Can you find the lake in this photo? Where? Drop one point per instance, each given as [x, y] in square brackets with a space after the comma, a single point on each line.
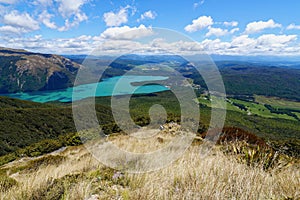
[118, 85]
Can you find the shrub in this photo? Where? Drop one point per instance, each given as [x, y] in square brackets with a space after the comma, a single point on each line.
[45, 146]
[6, 182]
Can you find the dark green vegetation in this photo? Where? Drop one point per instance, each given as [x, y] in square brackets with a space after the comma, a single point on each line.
[22, 71]
[283, 111]
[31, 129]
[24, 123]
[267, 81]
[21, 127]
[250, 79]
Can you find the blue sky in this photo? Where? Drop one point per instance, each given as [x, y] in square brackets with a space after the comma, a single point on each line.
[233, 27]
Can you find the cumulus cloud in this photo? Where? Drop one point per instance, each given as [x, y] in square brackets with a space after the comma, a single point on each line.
[78, 18]
[258, 26]
[232, 31]
[126, 32]
[148, 15]
[275, 40]
[293, 27]
[214, 46]
[71, 11]
[267, 44]
[19, 21]
[8, 1]
[199, 24]
[67, 8]
[243, 41]
[11, 29]
[44, 3]
[77, 45]
[118, 18]
[118, 40]
[45, 18]
[232, 23]
[218, 32]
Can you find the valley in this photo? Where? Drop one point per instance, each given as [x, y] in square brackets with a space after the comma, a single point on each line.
[38, 136]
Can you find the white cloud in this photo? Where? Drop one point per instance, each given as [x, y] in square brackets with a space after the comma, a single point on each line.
[179, 47]
[77, 19]
[275, 40]
[67, 8]
[45, 18]
[118, 18]
[126, 32]
[255, 27]
[70, 24]
[243, 41]
[148, 15]
[78, 45]
[232, 31]
[214, 46]
[119, 40]
[293, 27]
[216, 32]
[118, 47]
[268, 44]
[199, 24]
[197, 4]
[71, 11]
[21, 21]
[232, 23]
[8, 1]
[44, 3]
[11, 29]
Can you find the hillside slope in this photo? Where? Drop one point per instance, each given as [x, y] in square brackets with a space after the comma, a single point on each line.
[25, 124]
[73, 173]
[23, 71]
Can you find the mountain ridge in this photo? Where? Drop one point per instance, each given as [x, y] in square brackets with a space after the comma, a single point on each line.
[24, 71]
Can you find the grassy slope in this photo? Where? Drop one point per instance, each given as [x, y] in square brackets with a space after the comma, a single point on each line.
[261, 110]
[76, 174]
[277, 102]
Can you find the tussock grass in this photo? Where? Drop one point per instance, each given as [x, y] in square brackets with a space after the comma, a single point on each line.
[217, 175]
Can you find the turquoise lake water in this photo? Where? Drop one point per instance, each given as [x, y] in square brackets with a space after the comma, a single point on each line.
[118, 85]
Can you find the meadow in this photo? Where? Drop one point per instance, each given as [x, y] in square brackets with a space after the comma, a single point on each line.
[257, 107]
[278, 102]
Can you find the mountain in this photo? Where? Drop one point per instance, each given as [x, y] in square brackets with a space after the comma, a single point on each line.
[255, 58]
[23, 71]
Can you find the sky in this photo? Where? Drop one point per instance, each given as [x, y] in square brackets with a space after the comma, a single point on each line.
[231, 27]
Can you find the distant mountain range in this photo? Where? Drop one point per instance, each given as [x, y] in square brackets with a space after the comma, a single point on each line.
[22, 71]
[291, 62]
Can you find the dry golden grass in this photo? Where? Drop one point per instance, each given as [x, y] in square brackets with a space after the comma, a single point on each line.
[216, 176]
